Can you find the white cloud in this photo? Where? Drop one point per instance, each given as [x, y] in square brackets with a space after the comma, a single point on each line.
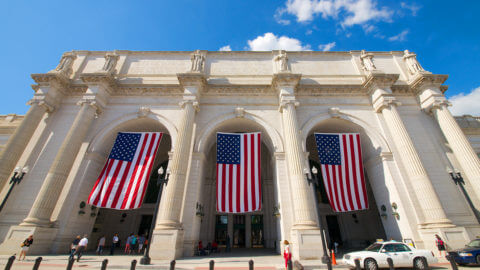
[400, 37]
[327, 47]
[269, 42]
[278, 16]
[350, 12]
[368, 28]
[466, 103]
[225, 48]
[308, 32]
[413, 7]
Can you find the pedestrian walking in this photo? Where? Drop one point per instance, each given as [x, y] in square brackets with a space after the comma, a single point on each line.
[74, 245]
[440, 245]
[227, 244]
[82, 247]
[133, 245]
[101, 244]
[141, 242]
[25, 246]
[114, 244]
[128, 243]
[287, 254]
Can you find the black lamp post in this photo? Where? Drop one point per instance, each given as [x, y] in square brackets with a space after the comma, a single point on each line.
[458, 180]
[18, 174]
[316, 184]
[160, 181]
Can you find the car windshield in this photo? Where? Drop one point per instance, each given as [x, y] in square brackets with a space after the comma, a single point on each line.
[374, 247]
[475, 243]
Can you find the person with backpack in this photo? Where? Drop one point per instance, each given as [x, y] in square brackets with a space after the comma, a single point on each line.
[440, 245]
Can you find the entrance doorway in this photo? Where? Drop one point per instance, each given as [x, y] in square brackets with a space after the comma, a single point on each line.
[238, 231]
[257, 231]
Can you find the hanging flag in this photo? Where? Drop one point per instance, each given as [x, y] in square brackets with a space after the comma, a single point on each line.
[124, 178]
[238, 172]
[342, 170]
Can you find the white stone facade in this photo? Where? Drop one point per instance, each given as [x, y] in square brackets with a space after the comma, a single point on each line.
[409, 139]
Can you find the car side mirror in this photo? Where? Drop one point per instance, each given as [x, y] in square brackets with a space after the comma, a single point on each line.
[383, 251]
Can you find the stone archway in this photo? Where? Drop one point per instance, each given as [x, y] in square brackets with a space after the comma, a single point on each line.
[109, 221]
[356, 229]
[260, 228]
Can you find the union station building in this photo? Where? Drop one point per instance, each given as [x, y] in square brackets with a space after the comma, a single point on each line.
[421, 164]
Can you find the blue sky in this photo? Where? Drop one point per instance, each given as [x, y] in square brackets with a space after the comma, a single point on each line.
[445, 35]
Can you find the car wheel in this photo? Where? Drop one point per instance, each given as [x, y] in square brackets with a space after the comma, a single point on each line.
[370, 264]
[419, 263]
[477, 259]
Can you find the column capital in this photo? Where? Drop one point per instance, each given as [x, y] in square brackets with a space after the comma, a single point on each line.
[287, 100]
[378, 80]
[92, 101]
[194, 103]
[384, 101]
[55, 80]
[42, 102]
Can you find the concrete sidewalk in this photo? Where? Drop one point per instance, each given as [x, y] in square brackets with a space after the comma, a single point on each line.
[223, 261]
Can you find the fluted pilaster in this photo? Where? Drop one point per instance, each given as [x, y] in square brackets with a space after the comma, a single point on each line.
[434, 215]
[173, 196]
[18, 141]
[52, 186]
[460, 145]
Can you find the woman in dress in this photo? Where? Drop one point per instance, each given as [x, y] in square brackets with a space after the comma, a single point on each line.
[287, 255]
[25, 245]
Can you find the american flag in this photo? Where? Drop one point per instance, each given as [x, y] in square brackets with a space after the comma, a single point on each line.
[238, 172]
[124, 178]
[342, 170]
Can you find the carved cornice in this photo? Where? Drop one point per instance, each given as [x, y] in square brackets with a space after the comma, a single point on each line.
[56, 80]
[286, 79]
[106, 79]
[149, 90]
[376, 80]
[328, 90]
[423, 80]
[239, 90]
[192, 79]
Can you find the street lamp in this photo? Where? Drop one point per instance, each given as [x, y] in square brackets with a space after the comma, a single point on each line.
[162, 179]
[316, 184]
[18, 174]
[458, 180]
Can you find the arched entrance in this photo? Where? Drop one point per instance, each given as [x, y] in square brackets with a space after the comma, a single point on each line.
[351, 230]
[137, 221]
[247, 230]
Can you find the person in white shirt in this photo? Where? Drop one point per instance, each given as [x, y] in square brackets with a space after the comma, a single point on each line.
[114, 243]
[82, 247]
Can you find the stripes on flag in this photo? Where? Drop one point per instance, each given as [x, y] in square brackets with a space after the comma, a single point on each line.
[124, 178]
[342, 170]
[238, 172]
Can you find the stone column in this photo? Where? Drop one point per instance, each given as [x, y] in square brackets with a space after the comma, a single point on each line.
[18, 141]
[305, 231]
[432, 100]
[52, 186]
[168, 234]
[384, 103]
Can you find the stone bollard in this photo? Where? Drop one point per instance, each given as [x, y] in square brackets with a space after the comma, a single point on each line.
[212, 265]
[37, 263]
[297, 265]
[104, 264]
[70, 263]
[357, 264]
[9, 262]
[451, 259]
[172, 265]
[250, 265]
[290, 265]
[133, 265]
[390, 263]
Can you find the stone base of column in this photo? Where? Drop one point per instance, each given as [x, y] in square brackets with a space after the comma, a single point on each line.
[306, 244]
[167, 244]
[441, 223]
[42, 240]
[189, 247]
[455, 238]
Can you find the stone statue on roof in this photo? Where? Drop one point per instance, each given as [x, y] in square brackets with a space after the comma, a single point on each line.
[283, 59]
[412, 63]
[367, 61]
[198, 61]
